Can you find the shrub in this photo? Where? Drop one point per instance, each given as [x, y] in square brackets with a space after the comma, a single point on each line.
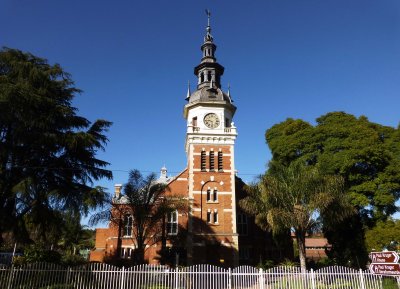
[73, 260]
[19, 261]
[37, 253]
[289, 263]
[265, 264]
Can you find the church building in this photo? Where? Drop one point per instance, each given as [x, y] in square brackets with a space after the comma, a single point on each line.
[214, 230]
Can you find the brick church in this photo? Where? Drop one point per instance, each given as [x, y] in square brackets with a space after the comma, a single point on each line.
[214, 230]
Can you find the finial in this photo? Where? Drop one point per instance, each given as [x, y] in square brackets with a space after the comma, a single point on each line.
[188, 91]
[208, 35]
[163, 173]
[229, 89]
[208, 17]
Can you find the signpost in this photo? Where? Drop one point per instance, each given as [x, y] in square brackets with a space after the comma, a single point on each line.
[385, 269]
[385, 263]
[384, 257]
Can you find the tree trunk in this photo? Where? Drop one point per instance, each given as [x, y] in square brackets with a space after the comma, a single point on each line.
[117, 254]
[301, 244]
[140, 246]
[140, 255]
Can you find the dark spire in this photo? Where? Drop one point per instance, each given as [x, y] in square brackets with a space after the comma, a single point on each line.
[208, 36]
[208, 71]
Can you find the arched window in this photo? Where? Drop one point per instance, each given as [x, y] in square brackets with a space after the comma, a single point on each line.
[202, 77]
[172, 223]
[215, 217]
[208, 195]
[209, 76]
[128, 222]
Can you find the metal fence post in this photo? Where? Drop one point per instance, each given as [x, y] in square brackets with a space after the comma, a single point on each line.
[229, 278]
[67, 275]
[261, 278]
[312, 279]
[10, 276]
[176, 277]
[123, 278]
[362, 279]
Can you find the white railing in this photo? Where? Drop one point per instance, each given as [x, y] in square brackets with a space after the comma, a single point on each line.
[97, 275]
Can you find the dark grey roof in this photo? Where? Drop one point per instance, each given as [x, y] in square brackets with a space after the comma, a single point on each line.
[207, 94]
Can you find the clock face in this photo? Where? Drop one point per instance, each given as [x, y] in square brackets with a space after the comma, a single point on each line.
[211, 120]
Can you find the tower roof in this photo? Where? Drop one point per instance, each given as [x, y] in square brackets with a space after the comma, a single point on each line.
[209, 73]
[207, 94]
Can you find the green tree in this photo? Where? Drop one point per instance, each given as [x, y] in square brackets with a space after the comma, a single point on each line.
[148, 203]
[48, 160]
[385, 235]
[296, 197]
[74, 236]
[365, 154]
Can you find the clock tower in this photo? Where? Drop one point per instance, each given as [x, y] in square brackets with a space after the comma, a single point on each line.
[214, 230]
[210, 140]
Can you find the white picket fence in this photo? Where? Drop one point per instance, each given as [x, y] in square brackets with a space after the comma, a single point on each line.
[98, 276]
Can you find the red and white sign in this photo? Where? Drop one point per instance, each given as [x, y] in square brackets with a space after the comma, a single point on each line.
[385, 268]
[384, 257]
[384, 263]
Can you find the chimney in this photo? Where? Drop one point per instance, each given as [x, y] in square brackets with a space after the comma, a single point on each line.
[117, 190]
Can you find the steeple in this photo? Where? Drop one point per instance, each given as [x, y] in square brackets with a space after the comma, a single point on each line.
[208, 71]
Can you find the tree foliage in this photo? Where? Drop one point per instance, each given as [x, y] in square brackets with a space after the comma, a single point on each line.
[296, 197]
[148, 202]
[48, 160]
[365, 154]
[384, 236]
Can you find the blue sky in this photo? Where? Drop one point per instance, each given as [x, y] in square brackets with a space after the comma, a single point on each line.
[282, 58]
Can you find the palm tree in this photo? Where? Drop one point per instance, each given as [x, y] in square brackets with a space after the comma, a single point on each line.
[298, 198]
[147, 203]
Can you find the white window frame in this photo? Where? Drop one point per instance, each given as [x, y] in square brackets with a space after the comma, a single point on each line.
[126, 252]
[172, 224]
[128, 225]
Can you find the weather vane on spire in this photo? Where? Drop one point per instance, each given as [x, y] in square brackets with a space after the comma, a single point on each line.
[208, 16]
[208, 35]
